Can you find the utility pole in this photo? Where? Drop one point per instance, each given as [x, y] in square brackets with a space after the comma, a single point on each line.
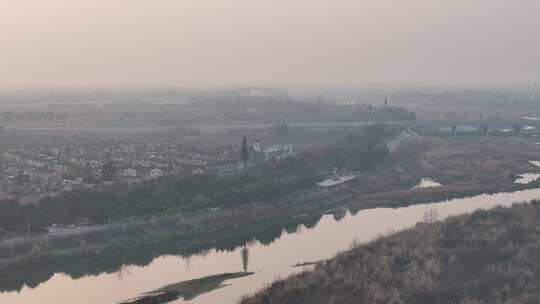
[370, 112]
[535, 93]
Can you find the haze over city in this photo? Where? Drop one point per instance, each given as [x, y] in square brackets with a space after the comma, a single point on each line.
[262, 42]
[269, 151]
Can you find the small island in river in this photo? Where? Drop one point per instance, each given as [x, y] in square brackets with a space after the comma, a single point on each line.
[187, 290]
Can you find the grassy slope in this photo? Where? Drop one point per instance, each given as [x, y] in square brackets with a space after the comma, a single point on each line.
[487, 257]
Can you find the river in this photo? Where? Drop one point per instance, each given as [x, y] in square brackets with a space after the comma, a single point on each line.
[269, 262]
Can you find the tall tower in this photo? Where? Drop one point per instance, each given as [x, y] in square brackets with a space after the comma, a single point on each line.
[244, 152]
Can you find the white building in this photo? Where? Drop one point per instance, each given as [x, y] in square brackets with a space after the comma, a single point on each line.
[279, 151]
[129, 172]
[72, 182]
[288, 151]
[257, 146]
[156, 172]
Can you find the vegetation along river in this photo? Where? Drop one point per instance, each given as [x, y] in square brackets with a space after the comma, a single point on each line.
[269, 260]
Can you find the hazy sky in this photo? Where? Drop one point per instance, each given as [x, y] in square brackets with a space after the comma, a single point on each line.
[269, 42]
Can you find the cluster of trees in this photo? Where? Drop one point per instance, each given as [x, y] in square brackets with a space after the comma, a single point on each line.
[264, 183]
[12, 215]
[277, 109]
[490, 256]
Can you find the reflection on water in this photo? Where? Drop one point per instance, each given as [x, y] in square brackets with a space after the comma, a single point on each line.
[245, 258]
[270, 256]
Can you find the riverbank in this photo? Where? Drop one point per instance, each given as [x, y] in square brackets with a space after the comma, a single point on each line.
[308, 239]
[122, 243]
[32, 270]
[487, 257]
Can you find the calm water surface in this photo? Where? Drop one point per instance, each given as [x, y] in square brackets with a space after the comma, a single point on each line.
[268, 262]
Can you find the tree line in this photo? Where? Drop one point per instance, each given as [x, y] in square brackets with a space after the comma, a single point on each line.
[265, 182]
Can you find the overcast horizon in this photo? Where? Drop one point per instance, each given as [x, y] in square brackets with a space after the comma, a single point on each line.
[304, 43]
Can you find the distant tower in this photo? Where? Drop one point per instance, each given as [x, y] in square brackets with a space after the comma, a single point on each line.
[385, 101]
[244, 153]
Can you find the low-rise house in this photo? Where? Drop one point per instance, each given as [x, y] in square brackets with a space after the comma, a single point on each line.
[198, 171]
[69, 183]
[129, 172]
[154, 173]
